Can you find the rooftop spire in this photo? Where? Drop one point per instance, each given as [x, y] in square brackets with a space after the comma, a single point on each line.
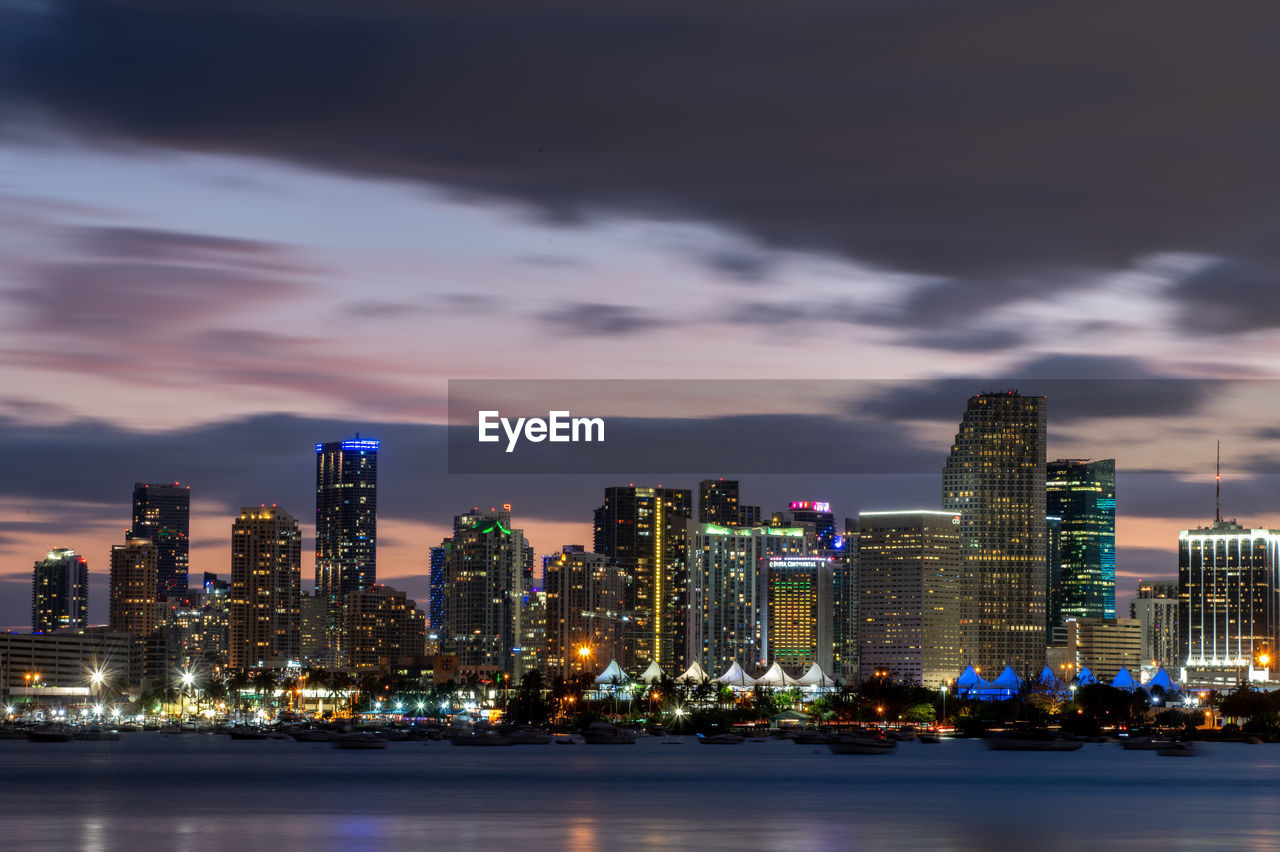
[1217, 488]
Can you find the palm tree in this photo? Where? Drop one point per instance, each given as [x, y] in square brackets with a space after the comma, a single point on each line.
[264, 680]
[237, 683]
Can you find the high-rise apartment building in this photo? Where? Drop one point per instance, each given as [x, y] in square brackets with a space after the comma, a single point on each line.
[483, 582]
[133, 588]
[815, 516]
[1081, 496]
[844, 593]
[797, 625]
[162, 515]
[59, 591]
[586, 613]
[266, 587]
[718, 503]
[1156, 610]
[346, 524]
[645, 529]
[909, 572]
[994, 480]
[727, 595]
[381, 625]
[435, 583]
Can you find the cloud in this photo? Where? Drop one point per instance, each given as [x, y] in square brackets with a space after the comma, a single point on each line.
[1002, 147]
[1230, 297]
[598, 318]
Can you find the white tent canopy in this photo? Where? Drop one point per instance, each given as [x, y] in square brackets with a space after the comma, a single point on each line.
[815, 676]
[653, 674]
[735, 676]
[775, 676]
[694, 674]
[612, 675]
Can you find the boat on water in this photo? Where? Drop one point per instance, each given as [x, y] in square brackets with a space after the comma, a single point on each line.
[1178, 749]
[358, 740]
[312, 735]
[602, 733]
[481, 738]
[13, 734]
[527, 735]
[1031, 740]
[170, 729]
[809, 738]
[49, 734]
[245, 732]
[905, 735]
[722, 739]
[1144, 743]
[95, 734]
[930, 737]
[861, 744]
[568, 739]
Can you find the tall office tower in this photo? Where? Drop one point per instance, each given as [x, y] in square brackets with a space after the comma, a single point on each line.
[266, 588]
[718, 504]
[726, 593]
[484, 564]
[1054, 631]
[1156, 610]
[133, 588]
[909, 566]
[844, 593]
[381, 625]
[162, 514]
[59, 591]
[313, 631]
[814, 516]
[435, 582]
[1227, 584]
[645, 528]
[994, 480]
[797, 626]
[346, 524]
[586, 613]
[532, 653]
[1081, 494]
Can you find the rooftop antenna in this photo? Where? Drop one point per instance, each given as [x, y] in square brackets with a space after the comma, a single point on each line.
[1217, 488]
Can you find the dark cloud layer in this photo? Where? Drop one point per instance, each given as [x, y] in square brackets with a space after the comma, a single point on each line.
[1001, 145]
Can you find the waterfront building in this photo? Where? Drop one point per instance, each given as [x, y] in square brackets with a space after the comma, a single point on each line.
[381, 625]
[484, 566]
[59, 591]
[797, 628]
[646, 530]
[1103, 645]
[162, 515]
[586, 614]
[728, 603]
[909, 595]
[72, 666]
[1156, 609]
[266, 588]
[346, 524]
[1080, 499]
[1229, 596]
[994, 480]
[132, 593]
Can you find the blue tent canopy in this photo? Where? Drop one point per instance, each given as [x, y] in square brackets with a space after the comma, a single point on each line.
[1124, 680]
[1048, 678]
[1162, 680]
[1085, 677]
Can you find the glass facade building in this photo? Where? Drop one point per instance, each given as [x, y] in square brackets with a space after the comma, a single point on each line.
[1081, 496]
[162, 515]
[60, 591]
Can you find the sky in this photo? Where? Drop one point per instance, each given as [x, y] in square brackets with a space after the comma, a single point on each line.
[232, 230]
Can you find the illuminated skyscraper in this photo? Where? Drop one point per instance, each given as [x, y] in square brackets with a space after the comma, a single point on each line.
[483, 583]
[727, 595]
[266, 588]
[1081, 495]
[994, 480]
[133, 588]
[380, 626]
[586, 609]
[909, 595]
[60, 591]
[435, 583]
[346, 524]
[816, 517]
[162, 515]
[645, 529]
[797, 623]
[718, 504]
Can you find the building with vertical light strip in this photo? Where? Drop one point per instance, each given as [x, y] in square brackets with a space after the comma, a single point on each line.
[994, 479]
[646, 530]
[909, 595]
[797, 627]
[1080, 499]
[726, 596]
[1229, 593]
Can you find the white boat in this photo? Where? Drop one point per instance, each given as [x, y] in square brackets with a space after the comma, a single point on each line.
[1031, 741]
[722, 739]
[861, 744]
[358, 740]
[602, 733]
